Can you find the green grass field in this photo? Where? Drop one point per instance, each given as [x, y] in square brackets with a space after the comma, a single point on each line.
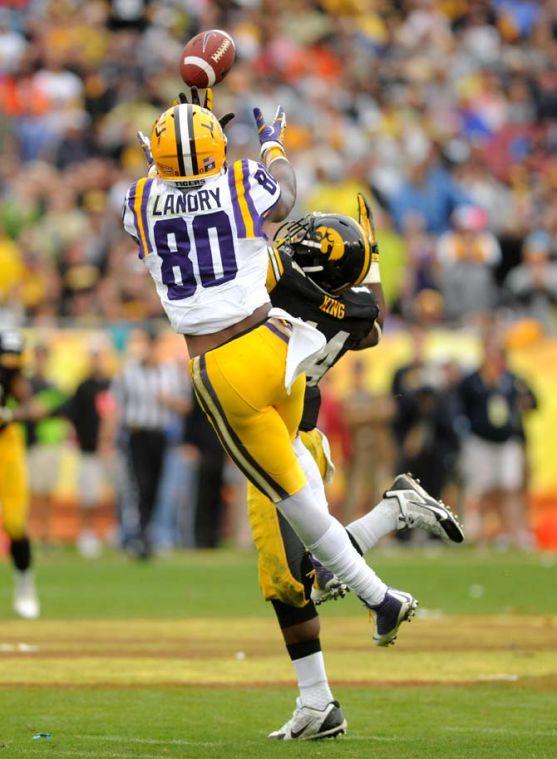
[180, 658]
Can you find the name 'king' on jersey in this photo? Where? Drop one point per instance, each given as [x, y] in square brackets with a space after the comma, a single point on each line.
[203, 241]
[345, 320]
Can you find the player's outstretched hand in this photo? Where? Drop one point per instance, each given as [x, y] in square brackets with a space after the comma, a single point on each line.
[365, 218]
[145, 145]
[271, 136]
[195, 96]
[203, 98]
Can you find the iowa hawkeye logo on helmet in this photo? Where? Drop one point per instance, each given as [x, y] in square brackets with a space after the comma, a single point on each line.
[333, 250]
[332, 243]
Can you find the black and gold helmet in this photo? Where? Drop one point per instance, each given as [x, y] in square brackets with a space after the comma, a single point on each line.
[333, 250]
[11, 349]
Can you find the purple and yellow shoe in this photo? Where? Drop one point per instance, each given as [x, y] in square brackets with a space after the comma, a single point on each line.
[397, 607]
[326, 585]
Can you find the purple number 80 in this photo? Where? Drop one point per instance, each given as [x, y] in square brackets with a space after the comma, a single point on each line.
[172, 240]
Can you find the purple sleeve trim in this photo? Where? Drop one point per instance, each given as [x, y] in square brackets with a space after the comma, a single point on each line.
[240, 226]
[131, 204]
[257, 218]
[273, 204]
[144, 199]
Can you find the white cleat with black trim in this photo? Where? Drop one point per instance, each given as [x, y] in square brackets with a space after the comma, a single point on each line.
[26, 600]
[308, 724]
[416, 508]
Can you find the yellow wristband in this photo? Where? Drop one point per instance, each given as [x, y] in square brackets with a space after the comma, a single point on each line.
[272, 154]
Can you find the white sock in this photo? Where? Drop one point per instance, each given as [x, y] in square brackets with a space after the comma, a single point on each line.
[341, 557]
[24, 577]
[312, 681]
[327, 539]
[313, 475]
[374, 525]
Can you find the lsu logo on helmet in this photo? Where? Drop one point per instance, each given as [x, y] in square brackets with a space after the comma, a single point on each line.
[188, 144]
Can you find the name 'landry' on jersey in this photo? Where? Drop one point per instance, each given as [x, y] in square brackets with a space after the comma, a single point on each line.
[344, 319]
[204, 247]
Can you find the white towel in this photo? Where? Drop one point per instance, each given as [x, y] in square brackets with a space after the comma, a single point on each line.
[304, 345]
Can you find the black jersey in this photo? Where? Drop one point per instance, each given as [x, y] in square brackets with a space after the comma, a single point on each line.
[344, 320]
[10, 367]
[6, 379]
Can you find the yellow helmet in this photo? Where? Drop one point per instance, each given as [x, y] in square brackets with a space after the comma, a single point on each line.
[188, 143]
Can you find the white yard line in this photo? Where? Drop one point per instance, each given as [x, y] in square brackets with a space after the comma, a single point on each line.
[499, 730]
[111, 755]
[151, 741]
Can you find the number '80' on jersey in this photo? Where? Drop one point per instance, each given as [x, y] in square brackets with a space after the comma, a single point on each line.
[204, 247]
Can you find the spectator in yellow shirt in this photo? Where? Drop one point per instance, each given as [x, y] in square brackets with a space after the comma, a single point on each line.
[11, 266]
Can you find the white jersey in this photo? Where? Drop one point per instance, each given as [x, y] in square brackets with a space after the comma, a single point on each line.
[205, 247]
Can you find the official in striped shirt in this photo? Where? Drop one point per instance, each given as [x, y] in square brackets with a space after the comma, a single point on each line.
[149, 394]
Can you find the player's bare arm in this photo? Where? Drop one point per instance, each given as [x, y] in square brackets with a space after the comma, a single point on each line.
[283, 172]
[374, 336]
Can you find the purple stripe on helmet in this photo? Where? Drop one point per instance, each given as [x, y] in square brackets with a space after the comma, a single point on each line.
[257, 218]
[240, 226]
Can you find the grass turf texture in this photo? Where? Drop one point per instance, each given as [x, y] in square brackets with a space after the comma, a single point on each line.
[134, 660]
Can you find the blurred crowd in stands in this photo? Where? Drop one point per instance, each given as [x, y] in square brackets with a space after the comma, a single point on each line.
[442, 111]
[445, 111]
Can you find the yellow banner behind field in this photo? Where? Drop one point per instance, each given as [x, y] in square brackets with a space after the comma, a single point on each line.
[536, 362]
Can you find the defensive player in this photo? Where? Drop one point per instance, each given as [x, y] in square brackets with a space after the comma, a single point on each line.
[14, 492]
[314, 262]
[198, 224]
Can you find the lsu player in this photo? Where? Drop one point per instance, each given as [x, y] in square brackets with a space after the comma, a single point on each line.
[14, 492]
[313, 265]
[198, 224]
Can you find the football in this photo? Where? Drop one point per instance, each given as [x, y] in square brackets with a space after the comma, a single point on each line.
[207, 58]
